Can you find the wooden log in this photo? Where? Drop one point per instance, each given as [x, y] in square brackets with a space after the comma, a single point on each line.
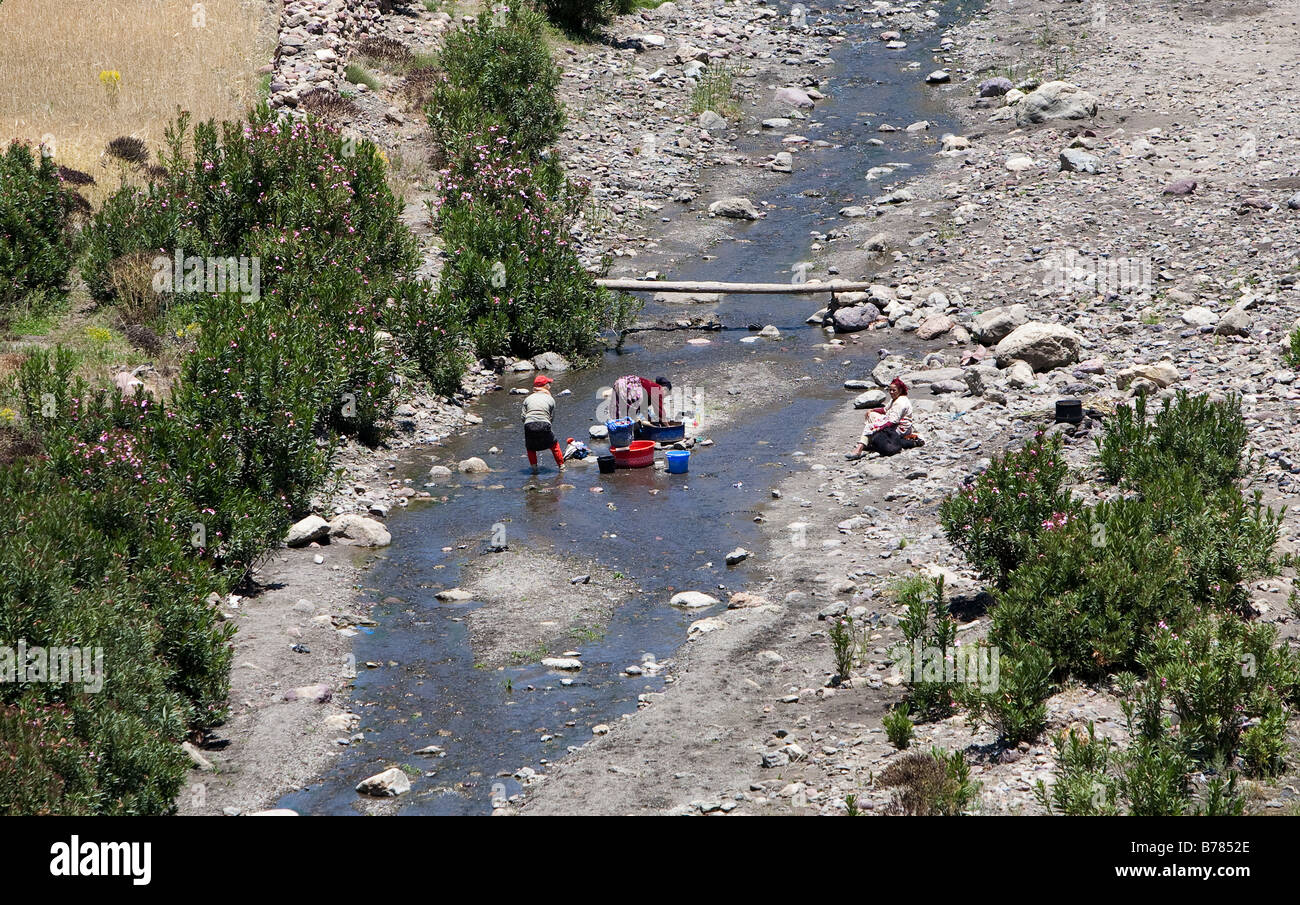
[809, 288]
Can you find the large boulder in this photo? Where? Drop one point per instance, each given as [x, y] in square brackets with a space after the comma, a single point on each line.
[735, 208]
[991, 327]
[551, 361]
[1055, 100]
[304, 531]
[995, 87]
[1074, 160]
[710, 121]
[362, 531]
[855, 318]
[1042, 346]
[888, 368]
[692, 600]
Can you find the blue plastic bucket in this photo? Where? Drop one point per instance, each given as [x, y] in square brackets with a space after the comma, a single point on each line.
[620, 432]
[678, 459]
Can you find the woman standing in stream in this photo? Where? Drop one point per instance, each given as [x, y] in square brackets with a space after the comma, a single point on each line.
[538, 410]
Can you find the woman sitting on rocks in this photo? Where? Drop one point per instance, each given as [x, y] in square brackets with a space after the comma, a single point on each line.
[888, 430]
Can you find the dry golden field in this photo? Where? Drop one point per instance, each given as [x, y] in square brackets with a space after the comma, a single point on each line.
[79, 73]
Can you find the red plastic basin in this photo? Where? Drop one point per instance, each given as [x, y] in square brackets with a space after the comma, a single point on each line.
[639, 454]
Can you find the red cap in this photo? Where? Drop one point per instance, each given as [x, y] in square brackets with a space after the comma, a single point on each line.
[542, 380]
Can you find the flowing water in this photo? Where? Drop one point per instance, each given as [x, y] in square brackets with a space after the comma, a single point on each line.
[495, 725]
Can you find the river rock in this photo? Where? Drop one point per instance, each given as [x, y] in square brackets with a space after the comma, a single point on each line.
[473, 465]
[1236, 321]
[1055, 100]
[855, 318]
[794, 97]
[362, 531]
[871, 399]
[454, 595]
[995, 87]
[888, 368]
[938, 77]
[992, 326]
[1019, 375]
[934, 326]
[1042, 346]
[304, 531]
[711, 122]
[1162, 374]
[1180, 187]
[319, 693]
[738, 555]
[692, 600]
[703, 627]
[551, 361]
[1075, 161]
[568, 664]
[389, 784]
[878, 242]
[1198, 316]
[735, 208]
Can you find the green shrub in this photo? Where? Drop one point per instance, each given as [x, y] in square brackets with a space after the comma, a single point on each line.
[995, 520]
[1264, 745]
[927, 627]
[1017, 707]
[1194, 432]
[713, 91]
[1224, 541]
[1217, 675]
[431, 336]
[514, 279]
[36, 241]
[331, 251]
[496, 76]
[898, 726]
[844, 644]
[583, 16]
[1085, 785]
[1091, 600]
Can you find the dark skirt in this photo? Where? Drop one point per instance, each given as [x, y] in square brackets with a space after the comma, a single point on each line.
[538, 437]
[887, 442]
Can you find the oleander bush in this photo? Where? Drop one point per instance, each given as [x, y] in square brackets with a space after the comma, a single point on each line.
[995, 520]
[496, 75]
[1207, 436]
[513, 278]
[37, 243]
[1150, 581]
[1092, 606]
[315, 213]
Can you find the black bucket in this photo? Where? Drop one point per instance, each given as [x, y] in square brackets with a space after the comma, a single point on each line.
[1069, 411]
[606, 463]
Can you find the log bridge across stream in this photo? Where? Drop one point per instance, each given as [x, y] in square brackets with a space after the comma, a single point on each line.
[833, 287]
